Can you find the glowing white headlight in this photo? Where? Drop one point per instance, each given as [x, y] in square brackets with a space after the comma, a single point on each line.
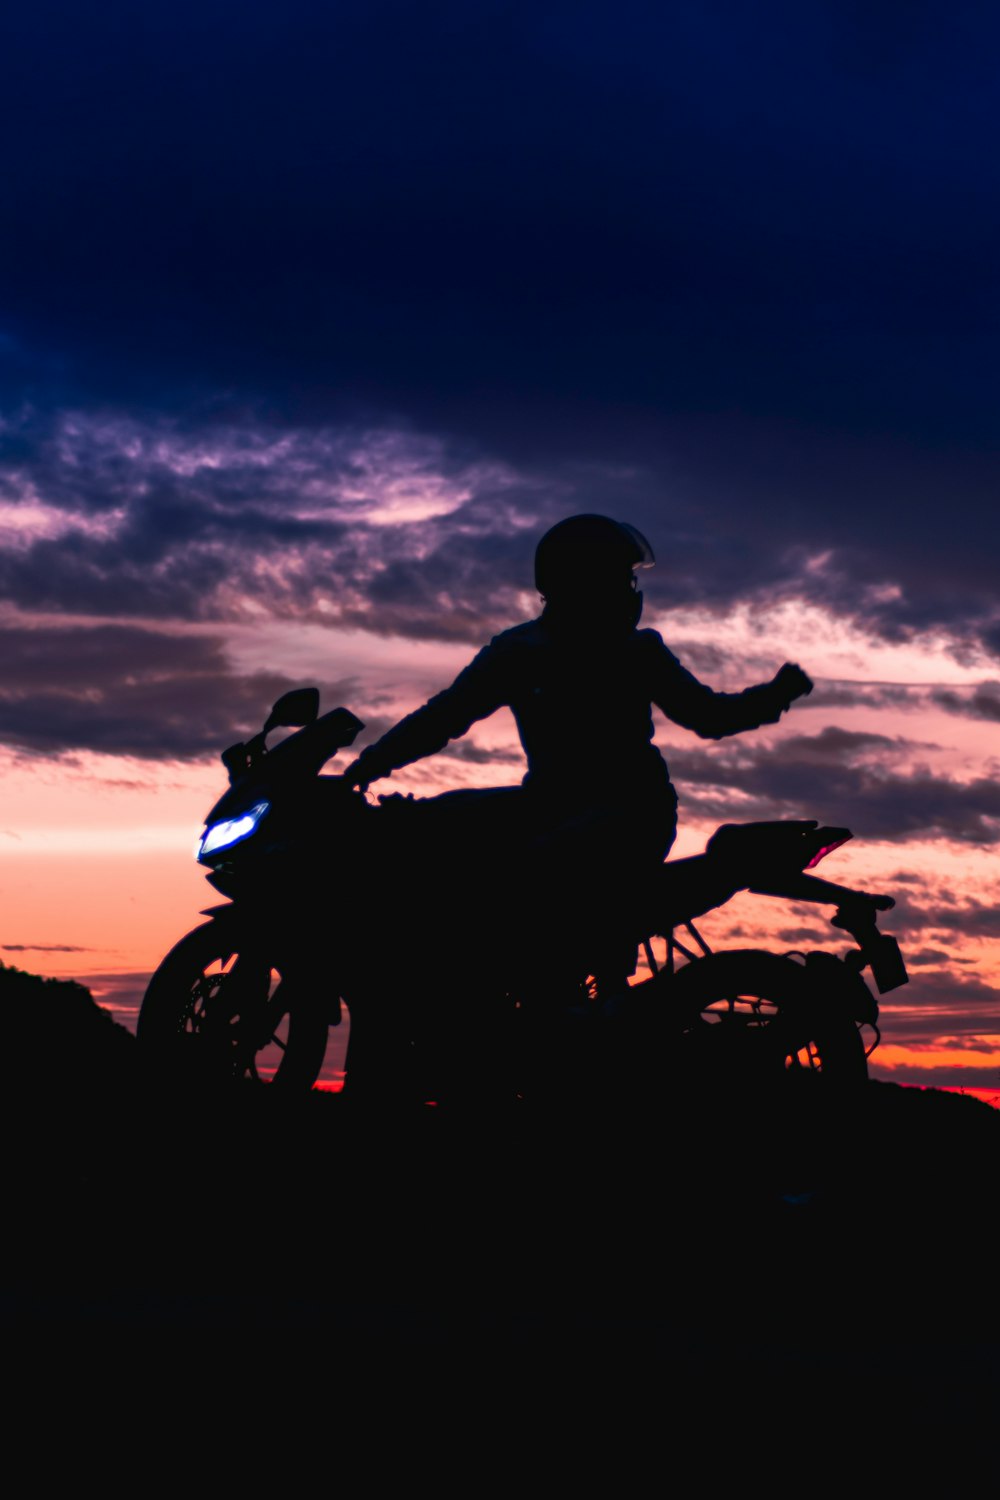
[232, 831]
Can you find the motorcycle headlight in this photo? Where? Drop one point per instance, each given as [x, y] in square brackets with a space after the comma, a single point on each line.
[232, 830]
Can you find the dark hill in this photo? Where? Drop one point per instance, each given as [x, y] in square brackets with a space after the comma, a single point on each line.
[778, 1252]
[56, 1034]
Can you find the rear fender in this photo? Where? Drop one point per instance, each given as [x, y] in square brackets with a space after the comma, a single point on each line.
[836, 983]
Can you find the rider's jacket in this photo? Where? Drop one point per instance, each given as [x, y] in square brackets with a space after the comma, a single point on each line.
[582, 708]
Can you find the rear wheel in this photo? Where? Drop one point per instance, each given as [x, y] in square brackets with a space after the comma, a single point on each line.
[214, 1010]
[757, 1015]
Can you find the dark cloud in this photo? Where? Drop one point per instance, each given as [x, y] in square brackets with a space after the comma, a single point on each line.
[979, 701]
[43, 948]
[896, 696]
[939, 1077]
[806, 933]
[931, 957]
[943, 1004]
[707, 660]
[482, 755]
[942, 913]
[399, 532]
[125, 690]
[842, 777]
[586, 200]
[121, 993]
[938, 1009]
[163, 522]
[983, 702]
[732, 276]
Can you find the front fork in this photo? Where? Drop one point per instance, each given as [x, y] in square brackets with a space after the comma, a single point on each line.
[301, 983]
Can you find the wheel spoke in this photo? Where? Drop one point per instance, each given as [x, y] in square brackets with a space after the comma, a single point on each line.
[763, 1012]
[213, 1001]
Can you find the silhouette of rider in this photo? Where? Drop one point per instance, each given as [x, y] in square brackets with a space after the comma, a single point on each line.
[580, 681]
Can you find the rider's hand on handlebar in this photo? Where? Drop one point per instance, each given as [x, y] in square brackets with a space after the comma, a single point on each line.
[793, 682]
[350, 779]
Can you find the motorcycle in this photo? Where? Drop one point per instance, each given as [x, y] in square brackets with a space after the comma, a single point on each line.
[252, 993]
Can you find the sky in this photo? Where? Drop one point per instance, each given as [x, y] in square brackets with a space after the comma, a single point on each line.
[312, 319]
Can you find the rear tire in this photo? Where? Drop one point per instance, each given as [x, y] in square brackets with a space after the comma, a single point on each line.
[213, 1013]
[750, 1009]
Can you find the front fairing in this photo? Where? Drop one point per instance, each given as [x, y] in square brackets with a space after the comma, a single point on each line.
[313, 837]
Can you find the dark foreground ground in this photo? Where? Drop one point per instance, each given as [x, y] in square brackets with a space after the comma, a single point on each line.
[714, 1280]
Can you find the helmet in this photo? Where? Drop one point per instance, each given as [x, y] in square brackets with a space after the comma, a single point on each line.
[589, 551]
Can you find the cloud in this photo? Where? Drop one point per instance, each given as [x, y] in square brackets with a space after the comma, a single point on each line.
[44, 948]
[381, 530]
[844, 777]
[980, 701]
[939, 1077]
[875, 696]
[941, 913]
[398, 532]
[483, 755]
[939, 1004]
[128, 690]
[940, 1012]
[931, 957]
[983, 702]
[120, 992]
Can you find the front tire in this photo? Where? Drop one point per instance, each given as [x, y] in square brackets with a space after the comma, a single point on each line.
[213, 1012]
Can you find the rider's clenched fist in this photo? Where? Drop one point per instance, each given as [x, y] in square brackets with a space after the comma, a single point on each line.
[793, 682]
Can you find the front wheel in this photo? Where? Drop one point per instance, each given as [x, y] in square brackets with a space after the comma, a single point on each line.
[214, 1011]
[758, 1015]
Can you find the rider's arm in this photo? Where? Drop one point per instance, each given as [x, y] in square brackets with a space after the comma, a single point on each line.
[712, 715]
[476, 692]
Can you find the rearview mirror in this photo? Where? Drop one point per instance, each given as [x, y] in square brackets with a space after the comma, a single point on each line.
[294, 709]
